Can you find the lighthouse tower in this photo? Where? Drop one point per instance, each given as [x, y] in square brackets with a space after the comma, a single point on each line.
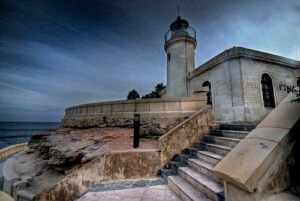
[180, 44]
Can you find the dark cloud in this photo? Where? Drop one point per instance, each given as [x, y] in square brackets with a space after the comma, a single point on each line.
[57, 53]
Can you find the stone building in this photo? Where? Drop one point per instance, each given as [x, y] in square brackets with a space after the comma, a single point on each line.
[244, 84]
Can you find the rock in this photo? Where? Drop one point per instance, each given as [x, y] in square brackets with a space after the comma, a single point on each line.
[91, 156]
[38, 173]
[64, 148]
[151, 131]
[28, 179]
[30, 150]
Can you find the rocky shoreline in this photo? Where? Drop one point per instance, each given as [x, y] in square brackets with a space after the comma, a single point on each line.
[53, 154]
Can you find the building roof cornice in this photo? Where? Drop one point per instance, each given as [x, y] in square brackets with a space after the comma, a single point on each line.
[236, 52]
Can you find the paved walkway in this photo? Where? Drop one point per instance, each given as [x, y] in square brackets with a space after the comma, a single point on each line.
[141, 190]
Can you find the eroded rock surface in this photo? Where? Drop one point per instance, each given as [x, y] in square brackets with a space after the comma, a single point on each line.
[152, 131]
[65, 147]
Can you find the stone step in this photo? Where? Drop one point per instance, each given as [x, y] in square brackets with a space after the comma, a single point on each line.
[204, 184]
[229, 142]
[215, 148]
[182, 158]
[203, 167]
[230, 134]
[165, 173]
[175, 165]
[209, 157]
[237, 127]
[185, 190]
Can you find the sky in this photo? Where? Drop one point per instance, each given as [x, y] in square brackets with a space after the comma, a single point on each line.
[59, 53]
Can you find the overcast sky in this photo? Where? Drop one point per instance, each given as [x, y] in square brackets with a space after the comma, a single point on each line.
[59, 53]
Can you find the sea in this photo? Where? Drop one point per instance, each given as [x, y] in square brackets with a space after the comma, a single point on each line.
[19, 132]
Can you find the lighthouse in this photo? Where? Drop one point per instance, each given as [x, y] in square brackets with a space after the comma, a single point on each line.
[180, 45]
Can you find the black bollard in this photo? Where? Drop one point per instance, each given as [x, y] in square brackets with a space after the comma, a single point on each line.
[136, 132]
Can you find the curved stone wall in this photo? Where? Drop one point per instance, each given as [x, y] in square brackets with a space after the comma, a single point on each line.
[167, 112]
[12, 149]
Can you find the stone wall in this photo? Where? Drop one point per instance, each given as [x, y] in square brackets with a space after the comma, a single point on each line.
[221, 91]
[111, 167]
[252, 71]
[260, 165]
[185, 135]
[166, 112]
[235, 77]
[12, 150]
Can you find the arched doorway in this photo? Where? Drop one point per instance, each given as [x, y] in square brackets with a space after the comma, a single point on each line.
[207, 84]
[267, 90]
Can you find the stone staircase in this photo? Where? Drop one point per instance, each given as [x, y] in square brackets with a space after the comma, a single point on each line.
[190, 173]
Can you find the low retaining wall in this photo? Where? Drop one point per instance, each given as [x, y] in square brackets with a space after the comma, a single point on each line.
[185, 135]
[117, 165]
[260, 165]
[167, 112]
[12, 149]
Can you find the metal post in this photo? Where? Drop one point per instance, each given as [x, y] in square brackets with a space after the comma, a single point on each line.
[136, 132]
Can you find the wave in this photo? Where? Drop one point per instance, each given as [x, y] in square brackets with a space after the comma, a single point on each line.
[14, 136]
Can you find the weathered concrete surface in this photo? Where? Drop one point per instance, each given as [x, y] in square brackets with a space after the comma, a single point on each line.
[166, 112]
[185, 134]
[150, 193]
[260, 164]
[113, 166]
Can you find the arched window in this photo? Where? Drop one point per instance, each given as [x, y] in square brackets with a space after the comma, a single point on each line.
[207, 84]
[267, 90]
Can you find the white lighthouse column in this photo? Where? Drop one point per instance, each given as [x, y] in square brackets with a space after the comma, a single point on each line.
[180, 44]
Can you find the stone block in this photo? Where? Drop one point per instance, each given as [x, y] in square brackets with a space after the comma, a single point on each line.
[106, 108]
[98, 109]
[156, 107]
[247, 162]
[172, 106]
[90, 109]
[188, 106]
[272, 134]
[118, 107]
[129, 107]
[200, 89]
[142, 107]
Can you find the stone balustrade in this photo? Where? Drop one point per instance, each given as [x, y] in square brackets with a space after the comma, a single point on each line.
[164, 111]
[260, 165]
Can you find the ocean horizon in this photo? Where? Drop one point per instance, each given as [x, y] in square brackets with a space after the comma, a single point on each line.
[19, 132]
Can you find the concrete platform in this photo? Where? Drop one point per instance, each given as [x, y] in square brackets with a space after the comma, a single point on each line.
[149, 193]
